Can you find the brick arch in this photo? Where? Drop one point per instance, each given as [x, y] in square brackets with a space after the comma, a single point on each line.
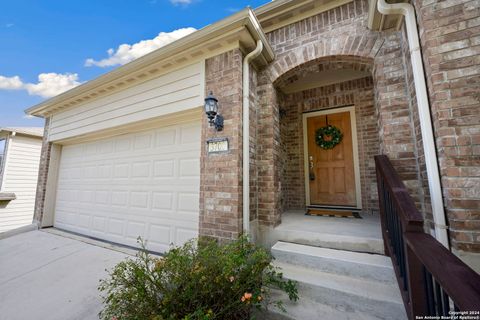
[358, 46]
[324, 64]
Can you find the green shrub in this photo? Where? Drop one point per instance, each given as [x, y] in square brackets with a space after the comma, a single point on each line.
[204, 281]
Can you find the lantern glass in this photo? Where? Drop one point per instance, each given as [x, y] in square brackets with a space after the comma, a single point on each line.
[211, 107]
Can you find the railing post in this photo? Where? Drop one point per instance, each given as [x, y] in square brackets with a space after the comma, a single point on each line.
[416, 283]
[381, 201]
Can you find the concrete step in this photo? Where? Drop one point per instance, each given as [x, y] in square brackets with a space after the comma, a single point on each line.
[307, 309]
[346, 293]
[359, 265]
[325, 240]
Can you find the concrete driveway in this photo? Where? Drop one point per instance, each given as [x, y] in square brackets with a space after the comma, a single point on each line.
[51, 276]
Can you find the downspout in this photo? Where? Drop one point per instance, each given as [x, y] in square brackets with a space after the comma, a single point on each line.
[428, 140]
[246, 135]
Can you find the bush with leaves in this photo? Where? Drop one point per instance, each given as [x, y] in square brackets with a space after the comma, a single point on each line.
[203, 280]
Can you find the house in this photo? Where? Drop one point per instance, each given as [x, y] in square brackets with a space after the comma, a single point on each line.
[308, 92]
[20, 150]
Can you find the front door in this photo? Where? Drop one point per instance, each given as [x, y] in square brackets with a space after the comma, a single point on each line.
[331, 172]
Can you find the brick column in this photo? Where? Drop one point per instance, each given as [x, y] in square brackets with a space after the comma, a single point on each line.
[396, 133]
[42, 175]
[221, 174]
[268, 155]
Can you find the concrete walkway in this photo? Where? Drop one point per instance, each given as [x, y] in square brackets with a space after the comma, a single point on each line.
[50, 276]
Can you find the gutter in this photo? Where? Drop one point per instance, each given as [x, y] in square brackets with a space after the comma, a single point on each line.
[246, 135]
[428, 140]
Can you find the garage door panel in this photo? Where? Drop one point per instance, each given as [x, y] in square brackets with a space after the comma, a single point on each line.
[183, 235]
[135, 229]
[163, 200]
[98, 224]
[141, 184]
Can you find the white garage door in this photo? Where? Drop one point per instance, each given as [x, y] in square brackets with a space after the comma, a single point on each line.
[139, 184]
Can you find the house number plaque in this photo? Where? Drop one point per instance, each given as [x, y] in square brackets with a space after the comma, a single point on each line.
[217, 145]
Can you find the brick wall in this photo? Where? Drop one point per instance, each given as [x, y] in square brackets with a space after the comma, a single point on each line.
[450, 39]
[221, 174]
[424, 192]
[253, 146]
[397, 134]
[356, 92]
[268, 153]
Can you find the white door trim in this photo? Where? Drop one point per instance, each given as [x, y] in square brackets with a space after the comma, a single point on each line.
[356, 162]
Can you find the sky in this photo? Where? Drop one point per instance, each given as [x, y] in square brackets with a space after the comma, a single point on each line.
[50, 46]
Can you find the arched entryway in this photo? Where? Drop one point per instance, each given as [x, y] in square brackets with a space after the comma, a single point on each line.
[337, 91]
[334, 90]
[353, 67]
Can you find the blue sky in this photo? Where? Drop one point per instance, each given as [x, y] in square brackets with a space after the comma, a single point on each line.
[66, 42]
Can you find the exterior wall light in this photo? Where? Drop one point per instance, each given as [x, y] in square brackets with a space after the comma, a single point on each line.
[211, 109]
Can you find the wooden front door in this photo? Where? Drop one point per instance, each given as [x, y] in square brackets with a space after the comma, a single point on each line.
[331, 173]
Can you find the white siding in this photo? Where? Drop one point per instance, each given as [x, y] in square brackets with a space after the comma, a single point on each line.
[20, 177]
[177, 91]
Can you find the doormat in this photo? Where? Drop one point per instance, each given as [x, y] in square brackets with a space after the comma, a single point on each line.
[333, 213]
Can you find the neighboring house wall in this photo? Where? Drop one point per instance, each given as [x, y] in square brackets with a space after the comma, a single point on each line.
[20, 177]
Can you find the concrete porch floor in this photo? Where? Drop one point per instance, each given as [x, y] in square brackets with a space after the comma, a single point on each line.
[361, 235]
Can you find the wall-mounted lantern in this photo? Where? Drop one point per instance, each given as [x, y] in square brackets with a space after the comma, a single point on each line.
[211, 109]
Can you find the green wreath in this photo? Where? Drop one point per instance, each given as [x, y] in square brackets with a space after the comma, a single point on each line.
[333, 134]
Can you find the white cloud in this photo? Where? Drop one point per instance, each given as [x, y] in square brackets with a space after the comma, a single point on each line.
[9, 25]
[181, 2]
[11, 83]
[48, 85]
[52, 84]
[128, 52]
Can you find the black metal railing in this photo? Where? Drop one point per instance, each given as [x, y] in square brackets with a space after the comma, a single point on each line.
[432, 280]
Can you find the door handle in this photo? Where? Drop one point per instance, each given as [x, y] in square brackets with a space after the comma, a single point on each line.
[311, 175]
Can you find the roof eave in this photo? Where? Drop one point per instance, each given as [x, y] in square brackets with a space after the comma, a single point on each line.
[244, 18]
[30, 134]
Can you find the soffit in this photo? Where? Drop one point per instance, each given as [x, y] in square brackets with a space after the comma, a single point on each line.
[323, 78]
[29, 131]
[279, 13]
